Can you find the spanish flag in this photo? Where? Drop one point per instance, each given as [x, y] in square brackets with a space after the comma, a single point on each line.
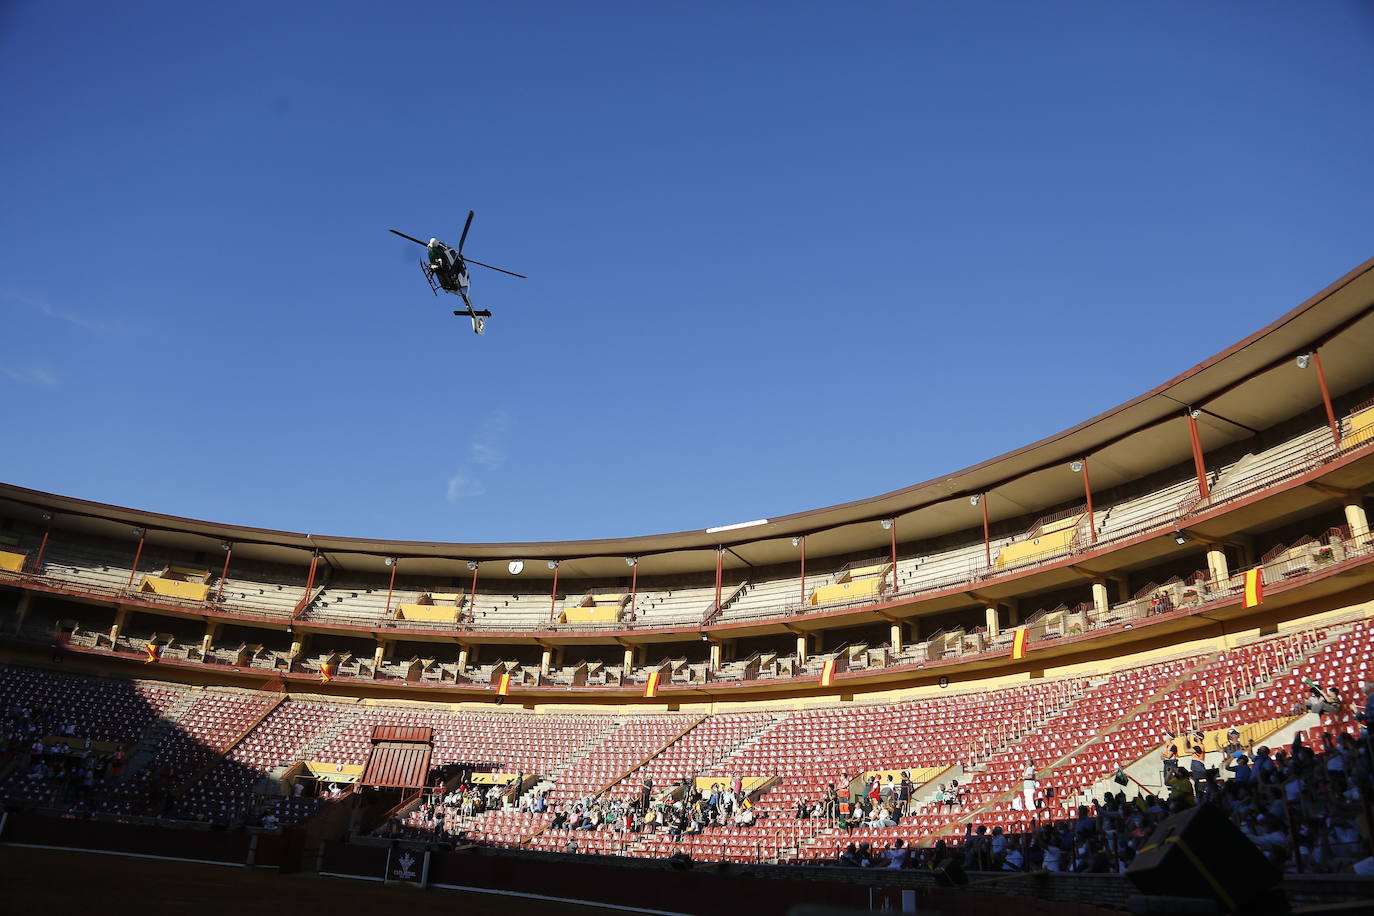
[651, 685]
[503, 685]
[1018, 643]
[828, 673]
[154, 653]
[1254, 586]
[326, 673]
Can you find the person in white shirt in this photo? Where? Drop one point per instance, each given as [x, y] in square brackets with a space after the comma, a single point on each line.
[897, 854]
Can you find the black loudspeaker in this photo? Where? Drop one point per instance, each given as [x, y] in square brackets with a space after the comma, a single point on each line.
[1199, 853]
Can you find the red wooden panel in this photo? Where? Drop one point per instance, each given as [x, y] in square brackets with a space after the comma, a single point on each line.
[421, 733]
[397, 765]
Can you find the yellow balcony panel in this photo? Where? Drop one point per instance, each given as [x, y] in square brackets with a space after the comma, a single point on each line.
[1361, 428]
[747, 783]
[601, 614]
[430, 613]
[12, 561]
[1044, 545]
[334, 772]
[1061, 525]
[919, 775]
[862, 571]
[175, 588]
[846, 591]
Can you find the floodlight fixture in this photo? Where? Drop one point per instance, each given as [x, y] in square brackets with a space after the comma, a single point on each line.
[1180, 538]
[472, 565]
[226, 545]
[390, 561]
[139, 532]
[553, 564]
[1194, 413]
[1076, 466]
[47, 516]
[887, 524]
[796, 542]
[631, 561]
[1304, 360]
[975, 499]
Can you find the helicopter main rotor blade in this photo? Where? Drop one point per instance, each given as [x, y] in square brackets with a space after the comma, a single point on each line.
[411, 237]
[501, 269]
[466, 227]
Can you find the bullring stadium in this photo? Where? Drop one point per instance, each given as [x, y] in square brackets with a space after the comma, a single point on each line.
[998, 681]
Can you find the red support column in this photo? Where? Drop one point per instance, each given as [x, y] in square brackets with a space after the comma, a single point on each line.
[391, 586]
[472, 601]
[137, 554]
[1088, 491]
[553, 595]
[987, 542]
[634, 586]
[894, 556]
[1199, 463]
[219, 589]
[309, 582]
[720, 554]
[1326, 400]
[803, 577]
[38, 561]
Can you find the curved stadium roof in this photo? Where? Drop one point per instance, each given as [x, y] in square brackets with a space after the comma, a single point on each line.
[1246, 388]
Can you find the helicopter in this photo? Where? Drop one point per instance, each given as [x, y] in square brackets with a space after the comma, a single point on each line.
[447, 270]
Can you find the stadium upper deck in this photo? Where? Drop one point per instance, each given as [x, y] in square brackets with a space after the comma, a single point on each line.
[1142, 515]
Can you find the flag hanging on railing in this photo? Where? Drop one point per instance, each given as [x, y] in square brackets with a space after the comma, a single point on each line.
[326, 673]
[503, 685]
[828, 673]
[651, 685]
[1254, 586]
[1018, 643]
[154, 653]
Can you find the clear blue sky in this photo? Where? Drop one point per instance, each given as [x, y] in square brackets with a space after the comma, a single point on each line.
[781, 255]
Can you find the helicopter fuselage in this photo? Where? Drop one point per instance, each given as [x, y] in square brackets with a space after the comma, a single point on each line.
[444, 264]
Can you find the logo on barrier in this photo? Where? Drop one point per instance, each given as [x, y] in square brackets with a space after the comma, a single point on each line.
[407, 866]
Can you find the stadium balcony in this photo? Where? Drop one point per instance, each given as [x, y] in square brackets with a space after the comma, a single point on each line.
[1137, 525]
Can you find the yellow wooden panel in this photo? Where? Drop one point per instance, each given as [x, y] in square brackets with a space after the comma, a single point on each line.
[1070, 522]
[1361, 428]
[919, 775]
[434, 613]
[175, 588]
[334, 772]
[846, 591]
[186, 572]
[495, 779]
[610, 598]
[1045, 545]
[603, 614]
[747, 783]
[14, 562]
[455, 597]
[862, 571]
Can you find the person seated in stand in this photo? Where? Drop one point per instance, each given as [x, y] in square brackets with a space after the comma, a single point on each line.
[882, 817]
[849, 858]
[803, 810]
[897, 854]
[745, 817]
